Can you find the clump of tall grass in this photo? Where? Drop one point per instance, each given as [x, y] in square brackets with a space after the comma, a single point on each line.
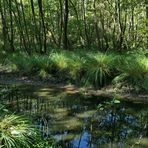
[15, 131]
[133, 70]
[39, 62]
[97, 69]
[18, 62]
[28, 64]
[59, 61]
[86, 67]
[76, 66]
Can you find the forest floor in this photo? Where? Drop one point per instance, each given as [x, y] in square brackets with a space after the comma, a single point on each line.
[7, 77]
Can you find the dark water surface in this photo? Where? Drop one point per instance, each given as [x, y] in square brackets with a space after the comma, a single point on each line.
[78, 121]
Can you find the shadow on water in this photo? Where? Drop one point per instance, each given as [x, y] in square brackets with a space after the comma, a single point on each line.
[78, 121]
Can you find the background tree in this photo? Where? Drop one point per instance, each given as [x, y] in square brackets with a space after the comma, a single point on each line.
[38, 26]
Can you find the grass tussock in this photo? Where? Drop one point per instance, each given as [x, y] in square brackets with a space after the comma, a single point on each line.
[88, 68]
[16, 131]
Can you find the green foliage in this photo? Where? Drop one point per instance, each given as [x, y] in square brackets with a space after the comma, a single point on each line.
[144, 85]
[133, 69]
[86, 26]
[59, 61]
[43, 74]
[76, 66]
[47, 143]
[90, 68]
[98, 68]
[16, 131]
[108, 103]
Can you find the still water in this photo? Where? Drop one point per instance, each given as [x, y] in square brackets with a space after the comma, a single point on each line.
[75, 120]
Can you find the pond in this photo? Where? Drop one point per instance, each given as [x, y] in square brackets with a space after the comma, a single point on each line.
[75, 120]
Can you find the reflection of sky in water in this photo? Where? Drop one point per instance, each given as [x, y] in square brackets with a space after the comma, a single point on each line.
[84, 139]
[82, 142]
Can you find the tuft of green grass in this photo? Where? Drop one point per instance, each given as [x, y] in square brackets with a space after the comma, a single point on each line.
[97, 69]
[133, 69]
[76, 66]
[15, 131]
[87, 67]
[59, 61]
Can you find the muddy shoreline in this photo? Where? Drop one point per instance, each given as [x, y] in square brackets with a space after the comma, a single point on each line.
[18, 79]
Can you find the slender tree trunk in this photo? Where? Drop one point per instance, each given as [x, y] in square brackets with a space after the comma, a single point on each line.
[25, 24]
[21, 28]
[61, 23]
[122, 28]
[36, 30]
[119, 16]
[114, 40]
[4, 27]
[66, 13]
[133, 25]
[79, 32]
[11, 27]
[104, 44]
[146, 3]
[40, 5]
[119, 40]
[85, 25]
[96, 24]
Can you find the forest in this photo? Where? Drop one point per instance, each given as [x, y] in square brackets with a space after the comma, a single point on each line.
[73, 71]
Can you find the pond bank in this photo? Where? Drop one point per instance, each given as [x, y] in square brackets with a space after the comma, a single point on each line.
[108, 92]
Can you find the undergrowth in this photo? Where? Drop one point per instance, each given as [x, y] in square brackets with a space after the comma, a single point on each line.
[86, 68]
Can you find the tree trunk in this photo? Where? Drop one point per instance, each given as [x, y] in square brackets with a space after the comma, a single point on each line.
[65, 36]
[96, 24]
[146, 3]
[25, 24]
[6, 40]
[36, 30]
[11, 27]
[21, 27]
[40, 5]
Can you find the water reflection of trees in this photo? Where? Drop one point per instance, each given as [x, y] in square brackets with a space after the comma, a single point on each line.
[73, 120]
